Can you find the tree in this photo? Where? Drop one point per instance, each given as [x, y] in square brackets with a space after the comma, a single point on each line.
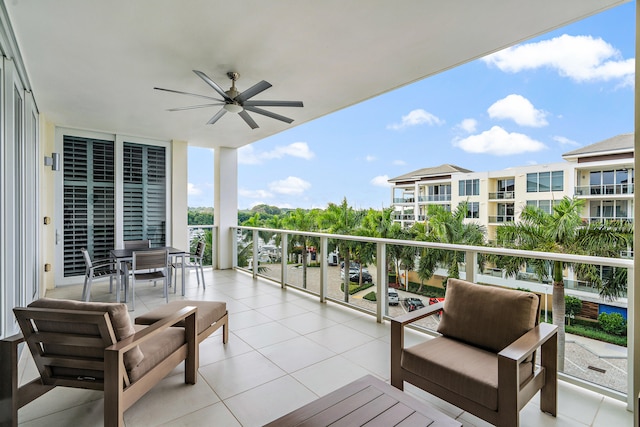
[342, 219]
[443, 226]
[561, 231]
[301, 220]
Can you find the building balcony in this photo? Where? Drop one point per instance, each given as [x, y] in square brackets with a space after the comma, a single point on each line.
[604, 190]
[602, 220]
[403, 217]
[435, 198]
[502, 195]
[404, 200]
[501, 218]
[286, 348]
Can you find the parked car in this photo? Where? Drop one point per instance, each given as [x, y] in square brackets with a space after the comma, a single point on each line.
[412, 304]
[433, 300]
[394, 298]
[354, 276]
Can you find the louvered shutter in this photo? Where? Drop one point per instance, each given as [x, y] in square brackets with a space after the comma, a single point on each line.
[144, 190]
[88, 200]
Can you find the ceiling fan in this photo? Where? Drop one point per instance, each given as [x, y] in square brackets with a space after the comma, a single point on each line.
[236, 102]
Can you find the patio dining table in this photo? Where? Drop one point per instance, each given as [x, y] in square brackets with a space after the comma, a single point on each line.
[122, 256]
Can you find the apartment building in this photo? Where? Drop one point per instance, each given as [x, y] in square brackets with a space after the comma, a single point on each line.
[601, 173]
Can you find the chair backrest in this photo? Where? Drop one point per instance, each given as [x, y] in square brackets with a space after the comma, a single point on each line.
[67, 339]
[146, 260]
[87, 259]
[200, 249]
[485, 316]
[137, 244]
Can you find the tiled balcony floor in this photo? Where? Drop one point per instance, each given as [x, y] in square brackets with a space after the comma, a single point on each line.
[285, 349]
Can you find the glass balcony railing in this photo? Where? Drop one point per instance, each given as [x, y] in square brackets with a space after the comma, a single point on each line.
[310, 262]
[603, 190]
[403, 217]
[602, 220]
[500, 218]
[435, 198]
[208, 233]
[403, 200]
[502, 195]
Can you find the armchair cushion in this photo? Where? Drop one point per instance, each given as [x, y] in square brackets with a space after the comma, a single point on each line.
[156, 350]
[120, 321]
[461, 368]
[487, 317]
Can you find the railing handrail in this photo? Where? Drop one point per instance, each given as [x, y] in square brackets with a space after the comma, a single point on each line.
[549, 256]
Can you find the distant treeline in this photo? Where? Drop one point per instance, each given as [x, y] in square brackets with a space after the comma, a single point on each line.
[204, 215]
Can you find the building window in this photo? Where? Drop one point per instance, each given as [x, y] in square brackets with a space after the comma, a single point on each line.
[473, 210]
[542, 182]
[543, 205]
[506, 185]
[469, 187]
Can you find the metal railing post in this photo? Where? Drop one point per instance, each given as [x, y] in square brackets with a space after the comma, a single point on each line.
[382, 302]
[324, 273]
[284, 261]
[470, 262]
[255, 254]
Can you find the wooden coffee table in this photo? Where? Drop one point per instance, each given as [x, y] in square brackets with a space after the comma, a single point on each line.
[366, 401]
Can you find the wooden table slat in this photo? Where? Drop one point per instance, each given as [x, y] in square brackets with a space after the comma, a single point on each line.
[394, 416]
[373, 402]
[335, 412]
[366, 412]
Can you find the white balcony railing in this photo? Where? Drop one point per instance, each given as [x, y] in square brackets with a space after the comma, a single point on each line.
[317, 277]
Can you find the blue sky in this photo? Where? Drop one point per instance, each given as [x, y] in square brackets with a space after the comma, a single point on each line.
[528, 104]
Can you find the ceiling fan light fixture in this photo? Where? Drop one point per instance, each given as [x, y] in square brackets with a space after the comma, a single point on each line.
[233, 108]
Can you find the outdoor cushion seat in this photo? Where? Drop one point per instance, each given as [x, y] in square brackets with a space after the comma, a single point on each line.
[211, 315]
[94, 346]
[483, 362]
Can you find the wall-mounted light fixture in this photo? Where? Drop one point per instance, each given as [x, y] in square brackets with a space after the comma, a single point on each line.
[53, 161]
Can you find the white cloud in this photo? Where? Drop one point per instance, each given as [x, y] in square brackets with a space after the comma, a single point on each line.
[370, 158]
[498, 142]
[248, 156]
[399, 163]
[291, 185]
[415, 118]
[192, 190]
[255, 194]
[580, 58]
[566, 141]
[468, 125]
[381, 181]
[519, 109]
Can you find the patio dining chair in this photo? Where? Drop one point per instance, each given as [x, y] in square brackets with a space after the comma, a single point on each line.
[194, 261]
[151, 265]
[98, 268]
[137, 244]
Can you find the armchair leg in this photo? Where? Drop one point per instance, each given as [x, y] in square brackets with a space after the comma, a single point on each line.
[549, 392]
[9, 384]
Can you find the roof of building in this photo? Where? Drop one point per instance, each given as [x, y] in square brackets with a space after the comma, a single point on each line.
[618, 143]
[445, 169]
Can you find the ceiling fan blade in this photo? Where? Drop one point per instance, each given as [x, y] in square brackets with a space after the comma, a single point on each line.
[213, 84]
[253, 91]
[215, 118]
[268, 114]
[193, 107]
[247, 118]
[274, 103]
[187, 93]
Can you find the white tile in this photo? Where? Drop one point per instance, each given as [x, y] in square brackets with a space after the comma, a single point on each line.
[170, 399]
[613, 413]
[266, 334]
[374, 356]
[263, 404]
[307, 322]
[241, 373]
[577, 403]
[329, 375]
[89, 414]
[58, 399]
[281, 311]
[217, 414]
[296, 353]
[339, 338]
[368, 325]
[246, 319]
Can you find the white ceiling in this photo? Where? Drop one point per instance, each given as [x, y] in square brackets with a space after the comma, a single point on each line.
[93, 64]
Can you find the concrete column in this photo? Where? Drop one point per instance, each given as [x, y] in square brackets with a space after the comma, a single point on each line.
[225, 202]
[179, 197]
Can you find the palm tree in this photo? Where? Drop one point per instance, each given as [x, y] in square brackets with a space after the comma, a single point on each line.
[301, 220]
[443, 226]
[562, 231]
[342, 219]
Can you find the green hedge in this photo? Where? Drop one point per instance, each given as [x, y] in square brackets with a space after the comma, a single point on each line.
[427, 291]
[354, 288]
[371, 296]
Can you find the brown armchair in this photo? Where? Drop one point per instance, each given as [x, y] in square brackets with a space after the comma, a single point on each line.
[484, 361]
[94, 346]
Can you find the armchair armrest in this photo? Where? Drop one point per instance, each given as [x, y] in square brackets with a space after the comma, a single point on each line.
[529, 342]
[412, 316]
